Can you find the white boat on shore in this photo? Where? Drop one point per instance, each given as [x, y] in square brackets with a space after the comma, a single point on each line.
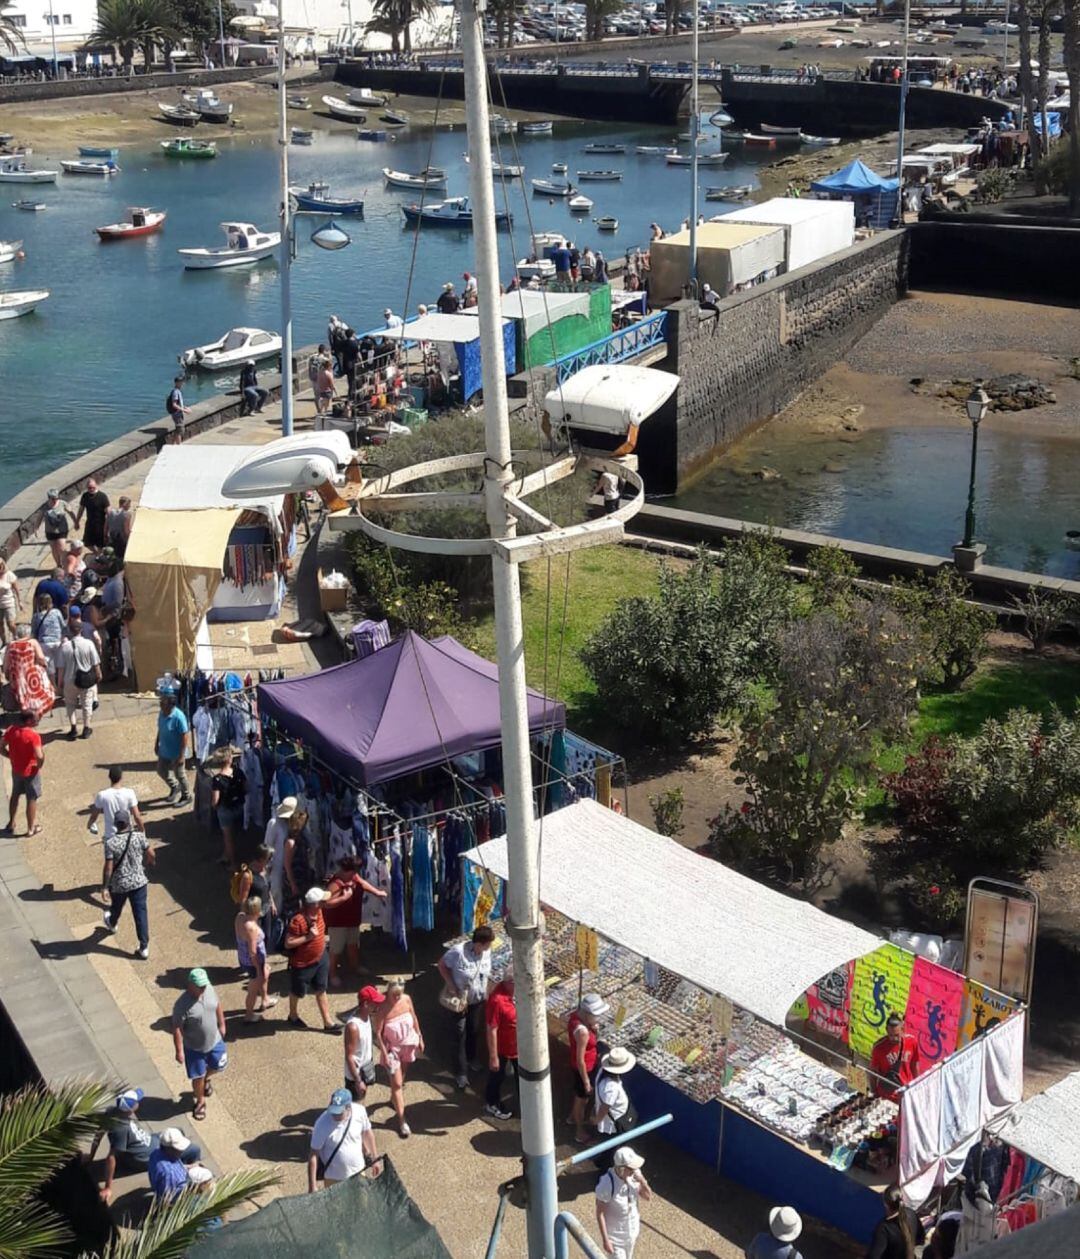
[245, 243]
[181, 115]
[342, 110]
[820, 142]
[233, 349]
[433, 177]
[16, 171]
[10, 250]
[361, 96]
[20, 302]
[208, 105]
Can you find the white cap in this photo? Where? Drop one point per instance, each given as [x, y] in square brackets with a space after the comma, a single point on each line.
[286, 808]
[627, 1156]
[199, 1175]
[174, 1139]
[593, 1003]
[785, 1223]
[315, 895]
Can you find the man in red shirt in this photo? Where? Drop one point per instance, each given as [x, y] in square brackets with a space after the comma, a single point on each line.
[21, 744]
[501, 1019]
[309, 961]
[895, 1058]
[342, 914]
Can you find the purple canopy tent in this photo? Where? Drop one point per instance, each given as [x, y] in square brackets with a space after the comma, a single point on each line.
[407, 706]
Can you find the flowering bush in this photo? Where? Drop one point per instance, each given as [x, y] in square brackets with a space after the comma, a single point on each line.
[937, 896]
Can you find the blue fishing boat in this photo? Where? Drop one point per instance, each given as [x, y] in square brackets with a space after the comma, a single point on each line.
[316, 196]
[88, 150]
[455, 212]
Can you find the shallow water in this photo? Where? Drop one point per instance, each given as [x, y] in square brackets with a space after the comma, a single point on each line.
[98, 357]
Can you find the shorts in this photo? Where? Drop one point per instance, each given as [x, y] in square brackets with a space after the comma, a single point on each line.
[28, 787]
[305, 979]
[54, 537]
[579, 1088]
[198, 1063]
[230, 817]
[342, 937]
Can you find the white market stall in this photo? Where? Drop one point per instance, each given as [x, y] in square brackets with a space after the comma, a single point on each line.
[731, 256]
[456, 338]
[812, 229]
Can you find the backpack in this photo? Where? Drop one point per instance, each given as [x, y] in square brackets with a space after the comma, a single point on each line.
[236, 883]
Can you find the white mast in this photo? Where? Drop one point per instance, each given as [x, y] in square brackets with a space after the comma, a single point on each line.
[286, 242]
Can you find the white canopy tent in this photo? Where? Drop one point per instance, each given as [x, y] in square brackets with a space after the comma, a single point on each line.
[189, 478]
[434, 326]
[1046, 1127]
[720, 930]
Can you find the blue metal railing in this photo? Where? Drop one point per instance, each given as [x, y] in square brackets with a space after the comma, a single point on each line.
[615, 348]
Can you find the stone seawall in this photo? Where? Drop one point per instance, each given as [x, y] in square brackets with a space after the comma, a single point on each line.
[993, 255]
[748, 362]
[12, 93]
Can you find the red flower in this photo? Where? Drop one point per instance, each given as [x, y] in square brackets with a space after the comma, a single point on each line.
[935, 890]
[745, 808]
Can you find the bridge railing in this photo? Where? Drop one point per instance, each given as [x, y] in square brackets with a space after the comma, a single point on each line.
[615, 348]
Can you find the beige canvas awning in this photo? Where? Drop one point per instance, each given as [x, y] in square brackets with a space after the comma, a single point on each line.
[173, 569]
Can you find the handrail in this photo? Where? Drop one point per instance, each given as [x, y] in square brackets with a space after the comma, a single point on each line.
[616, 347]
[568, 1225]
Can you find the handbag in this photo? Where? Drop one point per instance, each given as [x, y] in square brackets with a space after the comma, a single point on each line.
[85, 679]
[117, 865]
[452, 1000]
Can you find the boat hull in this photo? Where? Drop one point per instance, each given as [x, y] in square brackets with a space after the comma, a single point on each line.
[12, 305]
[328, 205]
[343, 111]
[86, 150]
[190, 155]
[463, 219]
[28, 177]
[217, 259]
[129, 231]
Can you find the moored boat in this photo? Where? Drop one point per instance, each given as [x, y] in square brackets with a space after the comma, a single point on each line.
[316, 196]
[370, 133]
[297, 135]
[549, 188]
[580, 203]
[10, 250]
[86, 166]
[506, 169]
[20, 302]
[721, 118]
[192, 150]
[753, 140]
[28, 205]
[433, 177]
[541, 127]
[181, 115]
[559, 168]
[654, 150]
[139, 222]
[607, 223]
[783, 133]
[820, 142]
[394, 117]
[233, 349]
[343, 111]
[245, 243]
[605, 146]
[598, 176]
[208, 105]
[88, 150]
[703, 159]
[365, 96]
[298, 102]
[539, 269]
[16, 171]
[454, 212]
[728, 192]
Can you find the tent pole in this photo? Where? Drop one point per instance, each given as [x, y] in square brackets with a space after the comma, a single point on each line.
[523, 916]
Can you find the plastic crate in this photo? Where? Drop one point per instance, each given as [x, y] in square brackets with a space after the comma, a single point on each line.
[412, 416]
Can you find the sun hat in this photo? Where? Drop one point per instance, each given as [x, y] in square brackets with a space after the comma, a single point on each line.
[198, 978]
[340, 1101]
[315, 896]
[370, 993]
[286, 808]
[199, 1175]
[593, 1003]
[448, 286]
[174, 1139]
[785, 1223]
[52, 493]
[89, 593]
[129, 1099]
[618, 1061]
[76, 545]
[627, 1156]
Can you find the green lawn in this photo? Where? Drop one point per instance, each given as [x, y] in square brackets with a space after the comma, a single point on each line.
[598, 578]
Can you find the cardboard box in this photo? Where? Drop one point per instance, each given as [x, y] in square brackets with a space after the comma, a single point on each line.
[332, 598]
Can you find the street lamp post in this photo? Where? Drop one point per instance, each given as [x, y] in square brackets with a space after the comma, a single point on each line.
[968, 554]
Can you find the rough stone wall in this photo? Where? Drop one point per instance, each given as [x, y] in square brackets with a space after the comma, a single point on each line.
[743, 365]
[12, 93]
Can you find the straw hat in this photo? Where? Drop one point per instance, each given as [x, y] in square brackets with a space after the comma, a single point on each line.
[618, 1061]
[785, 1223]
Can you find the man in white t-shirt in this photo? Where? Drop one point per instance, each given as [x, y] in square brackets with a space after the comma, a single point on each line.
[342, 1143]
[114, 799]
[78, 672]
[359, 1055]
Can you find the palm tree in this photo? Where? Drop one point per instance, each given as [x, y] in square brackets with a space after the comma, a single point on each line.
[395, 18]
[119, 25]
[11, 37]
[158, 25]
[41, 1129]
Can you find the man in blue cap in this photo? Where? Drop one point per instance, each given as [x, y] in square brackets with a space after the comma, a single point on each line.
[342, 1142]
[131, 1143]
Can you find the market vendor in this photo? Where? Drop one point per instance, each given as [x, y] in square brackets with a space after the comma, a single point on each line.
[894, 1060]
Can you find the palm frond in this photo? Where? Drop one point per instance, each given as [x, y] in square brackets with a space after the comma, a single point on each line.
[31, 1230]
[11, 36]
[172, 1226]
[40, 1128]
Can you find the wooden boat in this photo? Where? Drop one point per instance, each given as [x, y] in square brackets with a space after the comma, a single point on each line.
[728, 192]
[607, 223]
[752, 140]
[192, 150]
[820, 142]
[298, 102]
[297, 135]
[365, 96]
[316, 196]
[245, 243]
[542, 127]
[368, 133]
[559, 168]
[549, 188]
[605, 146]
[10, 250]
[787, 133]
[342, 110]
[454, 212]
[654, 150]
[600, 176]
[181, 115]
[140, 222]
[20, 302]
[233, 349]
[703, 159]
[28, 205]
[15, 171]
[430, 178]
[580, 204]
[88, 150]
[394, 117]
[85, 166]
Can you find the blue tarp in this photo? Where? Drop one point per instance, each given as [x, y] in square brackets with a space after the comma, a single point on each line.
[855, 179]
[468, 357]
[1053, 123]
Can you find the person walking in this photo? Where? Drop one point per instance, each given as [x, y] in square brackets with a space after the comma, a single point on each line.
[618, 1216]
[10, 602]
[309, 960]
[198, 1030]
[228, 790]
[342, 1142]
[131, 1143]
[48, 626]
[501, 1025]
[94, 504]
[171, 750]
[400, 1041]
[465, 969]
[78, 672]
[57, 521]
[123, 877]
[901, 1230]
[324, 387]
[360, 1043]
[26, 671]
[21, 744]
[343, 914]
[785, 1225]
[613, 1111]
[581, 1033]
[252, 959]
[113, 800]
[174, 404]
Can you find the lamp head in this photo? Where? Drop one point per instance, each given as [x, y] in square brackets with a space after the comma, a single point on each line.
[331, 237]
[977, 403]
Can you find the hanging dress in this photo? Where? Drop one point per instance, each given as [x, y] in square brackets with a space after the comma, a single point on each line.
[29, 678]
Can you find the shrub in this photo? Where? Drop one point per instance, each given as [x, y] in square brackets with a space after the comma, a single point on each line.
[936, 895]
[1044, 612]
[667, 809]
[994, 184]
[831, 577]
[953, 629]
[920, 791]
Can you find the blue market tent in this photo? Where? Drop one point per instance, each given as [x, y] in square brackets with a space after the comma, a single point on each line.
[875, 197]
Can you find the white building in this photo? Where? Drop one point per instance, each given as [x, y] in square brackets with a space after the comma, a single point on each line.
[314, 26]
[72, 21]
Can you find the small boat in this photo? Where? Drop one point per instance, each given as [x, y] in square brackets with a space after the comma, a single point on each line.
[542, 127]
[29, 205]
[721, 118]
[181, 115]
[367, 133]
[430, 178]
[752, 140]
[316, 196]
[298, 102]
[233, 349]
[503, 125]
[454, 212]
[597, 176]
[541, 269]
[607, 223]
[85, 166]
[580, 204]
[297, 135]
[342, 110]
[6, 137]
[559, 168]
[703, 159]
[140, 222]
[20, 302]
[728, 192]
[365, 96]
[208, 105]
[394, 117]
[605, 146]
[245, 243]
[787, 135]
[654, 150]
[193, 150]
[506, 169]
[548, 188]
[10, 250]
[820, 142]
[16, 171]
[88, 150]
